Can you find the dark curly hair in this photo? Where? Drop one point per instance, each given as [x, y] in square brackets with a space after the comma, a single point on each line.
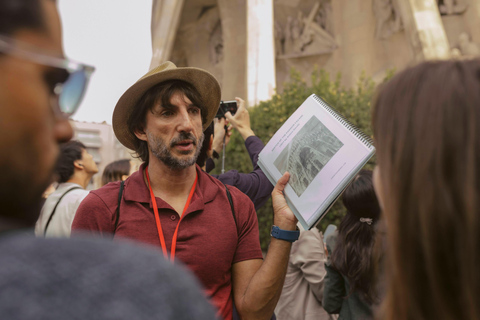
[202, 157]
[69, 152]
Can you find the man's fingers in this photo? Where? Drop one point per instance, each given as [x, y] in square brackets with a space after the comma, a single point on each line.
[240, 102]
[282, 182]
[219, 122]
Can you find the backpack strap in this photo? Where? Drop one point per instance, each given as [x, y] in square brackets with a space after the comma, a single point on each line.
[229, 196]
[117, 212]
[55, 208]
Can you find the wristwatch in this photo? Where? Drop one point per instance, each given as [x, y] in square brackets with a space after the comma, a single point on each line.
[215, 154]
[287, 235]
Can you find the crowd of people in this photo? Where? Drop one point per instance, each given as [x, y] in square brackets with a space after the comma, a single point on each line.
[171, 241]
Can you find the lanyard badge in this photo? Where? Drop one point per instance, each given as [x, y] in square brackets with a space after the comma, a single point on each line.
[157, 218]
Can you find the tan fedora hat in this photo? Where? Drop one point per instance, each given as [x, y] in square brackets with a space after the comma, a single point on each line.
[203, 81]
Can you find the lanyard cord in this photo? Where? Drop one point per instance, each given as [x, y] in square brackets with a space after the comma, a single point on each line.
[157, 218]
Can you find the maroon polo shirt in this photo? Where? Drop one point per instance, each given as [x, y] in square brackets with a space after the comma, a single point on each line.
[208, 241]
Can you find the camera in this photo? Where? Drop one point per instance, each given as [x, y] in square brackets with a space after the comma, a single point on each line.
[226, 106]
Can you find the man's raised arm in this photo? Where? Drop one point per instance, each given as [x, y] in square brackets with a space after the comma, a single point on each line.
[257, 285]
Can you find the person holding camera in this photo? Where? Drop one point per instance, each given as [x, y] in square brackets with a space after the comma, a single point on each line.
[254, 184]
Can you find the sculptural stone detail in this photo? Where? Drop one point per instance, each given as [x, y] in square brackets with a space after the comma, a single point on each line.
[216, 44]
[466, 47]
[388, 20]
[451, 7]
[302, 35]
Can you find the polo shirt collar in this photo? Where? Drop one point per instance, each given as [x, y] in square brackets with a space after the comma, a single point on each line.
[135, 187]
[136, 190]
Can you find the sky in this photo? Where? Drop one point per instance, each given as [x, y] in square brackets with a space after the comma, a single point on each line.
[114, 37]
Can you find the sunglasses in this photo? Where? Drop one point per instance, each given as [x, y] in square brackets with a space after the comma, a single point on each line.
[68, 81]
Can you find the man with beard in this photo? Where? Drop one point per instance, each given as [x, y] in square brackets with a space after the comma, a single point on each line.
[172, 204]
[63, 278]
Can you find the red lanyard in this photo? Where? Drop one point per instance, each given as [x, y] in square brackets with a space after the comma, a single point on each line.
[157, 218]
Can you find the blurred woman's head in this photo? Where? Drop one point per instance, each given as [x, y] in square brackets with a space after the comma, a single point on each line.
[117, 171]
[353, 255]
[359, 198]
[427, 130]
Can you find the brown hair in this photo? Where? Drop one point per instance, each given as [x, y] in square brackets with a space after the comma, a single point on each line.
[160, 93]
[353, 255]
[202, 157]
[427, 130]
[16, 15]
[115, 170]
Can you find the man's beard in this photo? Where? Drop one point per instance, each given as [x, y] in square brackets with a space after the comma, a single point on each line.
[21, 187]
[162, 152]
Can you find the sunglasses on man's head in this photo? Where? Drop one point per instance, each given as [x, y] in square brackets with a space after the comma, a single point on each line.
[67, 79]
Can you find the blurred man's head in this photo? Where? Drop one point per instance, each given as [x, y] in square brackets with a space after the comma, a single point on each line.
[74, 160]
[35, 101]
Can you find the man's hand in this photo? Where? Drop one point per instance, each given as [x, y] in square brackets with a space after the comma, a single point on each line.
[241, 120]
[283, 215]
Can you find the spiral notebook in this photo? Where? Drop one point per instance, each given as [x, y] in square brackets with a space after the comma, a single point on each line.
[322, 151]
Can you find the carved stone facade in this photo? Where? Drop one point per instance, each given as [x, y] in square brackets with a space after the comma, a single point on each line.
[461, 20]
[346, 36]
[299, 34]
[388, 19]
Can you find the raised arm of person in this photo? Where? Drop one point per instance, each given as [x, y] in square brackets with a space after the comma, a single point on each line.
[257, 285]
[220, 133]
[241, 120]
[254, 184]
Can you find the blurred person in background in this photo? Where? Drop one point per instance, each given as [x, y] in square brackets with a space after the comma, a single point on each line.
[63, 278]
[50, 189]
[75, 168]
[426, 123]
[254, 184]
[302, 291]
[350, 283]
[118, 170]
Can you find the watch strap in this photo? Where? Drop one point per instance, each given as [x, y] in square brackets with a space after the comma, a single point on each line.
[287, 235]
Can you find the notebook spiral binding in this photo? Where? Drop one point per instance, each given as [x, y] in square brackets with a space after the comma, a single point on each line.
[350, 126]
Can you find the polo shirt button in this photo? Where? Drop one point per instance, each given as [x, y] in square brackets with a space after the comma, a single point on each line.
[173, 217]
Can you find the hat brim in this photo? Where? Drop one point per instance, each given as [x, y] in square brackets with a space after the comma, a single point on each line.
[204, 82]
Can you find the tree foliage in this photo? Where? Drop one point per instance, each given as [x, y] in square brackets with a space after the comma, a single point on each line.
[268, 116]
